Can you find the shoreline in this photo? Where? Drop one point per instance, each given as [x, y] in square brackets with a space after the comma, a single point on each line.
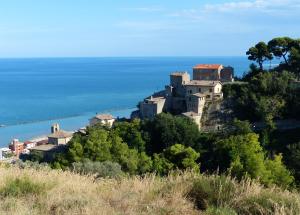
[66, 117]
[32, 130]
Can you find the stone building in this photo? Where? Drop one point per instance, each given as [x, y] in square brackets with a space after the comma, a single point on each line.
[59, 137]
[211, 89]
[152, 106]
[187, 97]
[103, 119]
[213, 72]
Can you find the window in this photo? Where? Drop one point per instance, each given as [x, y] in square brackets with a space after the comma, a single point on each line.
[199, 90]
[208, 96]
[191, 91]
[190, 99]
[210, 90]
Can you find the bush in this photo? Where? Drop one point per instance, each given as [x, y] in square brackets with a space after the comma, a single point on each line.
[269, 203]
[216, 191]
[22, 186]
[100, 169]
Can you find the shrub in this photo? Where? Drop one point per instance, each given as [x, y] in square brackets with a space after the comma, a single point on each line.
[100, 169]
[269, 203]
[21, 186]
[212, 191]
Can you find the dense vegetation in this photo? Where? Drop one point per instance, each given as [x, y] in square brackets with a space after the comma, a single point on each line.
[271, 98]
[169, 143]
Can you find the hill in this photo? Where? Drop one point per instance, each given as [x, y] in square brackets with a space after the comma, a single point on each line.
[45, 191]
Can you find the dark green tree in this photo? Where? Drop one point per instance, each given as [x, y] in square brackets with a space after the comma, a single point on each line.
[131, 133]
[259, 53]
[166, 130]
[281, 47]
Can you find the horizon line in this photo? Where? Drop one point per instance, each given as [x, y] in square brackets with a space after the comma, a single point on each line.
[157, 56]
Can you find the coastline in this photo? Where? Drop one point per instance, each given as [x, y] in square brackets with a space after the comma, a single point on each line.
[27, 131]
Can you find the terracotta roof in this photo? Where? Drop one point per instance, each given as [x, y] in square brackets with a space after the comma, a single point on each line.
[208, 66]
[60, 134]
[104, 116]
[203, 83]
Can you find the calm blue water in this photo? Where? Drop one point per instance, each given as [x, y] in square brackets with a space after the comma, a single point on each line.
[37, 92]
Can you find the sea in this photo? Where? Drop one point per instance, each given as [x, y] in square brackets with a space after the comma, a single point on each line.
[37, 92]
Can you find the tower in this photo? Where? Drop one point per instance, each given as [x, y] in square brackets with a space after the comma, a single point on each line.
[54, 128]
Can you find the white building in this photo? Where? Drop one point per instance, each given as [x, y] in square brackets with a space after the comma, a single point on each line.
[103, 119]
[4, 152]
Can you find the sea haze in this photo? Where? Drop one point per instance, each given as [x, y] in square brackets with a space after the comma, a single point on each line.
[39, 90]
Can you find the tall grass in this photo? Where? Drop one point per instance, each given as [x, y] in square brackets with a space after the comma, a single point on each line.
[43, 191]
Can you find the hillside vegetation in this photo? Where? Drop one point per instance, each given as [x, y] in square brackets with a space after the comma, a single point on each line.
[45, 191]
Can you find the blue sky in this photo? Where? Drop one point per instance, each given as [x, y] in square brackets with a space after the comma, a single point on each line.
[75, 28]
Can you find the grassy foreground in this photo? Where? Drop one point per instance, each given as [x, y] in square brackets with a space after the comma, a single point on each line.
[30, 191]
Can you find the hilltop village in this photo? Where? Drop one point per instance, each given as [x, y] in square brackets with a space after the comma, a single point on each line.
[185, 96]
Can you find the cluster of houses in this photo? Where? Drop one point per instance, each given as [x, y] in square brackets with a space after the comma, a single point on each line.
[50, 142]
[53, 142]
[183, 96]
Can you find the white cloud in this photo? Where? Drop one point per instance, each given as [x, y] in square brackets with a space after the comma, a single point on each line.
[260, 5]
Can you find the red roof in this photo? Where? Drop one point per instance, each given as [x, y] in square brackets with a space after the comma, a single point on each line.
[208, 66]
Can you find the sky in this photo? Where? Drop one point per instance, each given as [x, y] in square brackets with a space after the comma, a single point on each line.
[117, 28]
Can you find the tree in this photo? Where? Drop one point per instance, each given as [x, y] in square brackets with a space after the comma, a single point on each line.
[176, 157]
[293, 159]
[281, 47]
[145, 163]
[131, 133]
[122, 154]
[259, 53]
[278, 173]
[161, 165]
[237, 127]
[166, 130]
[294, 58]
[244, 156]
[269, 108]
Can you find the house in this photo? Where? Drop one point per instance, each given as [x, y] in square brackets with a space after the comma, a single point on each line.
[47, 152]
[4, 152]
[103, 119]
[16, 147]
[211, 89]
[59, 137]
[28, 145]
[213, 72]
[152, 106]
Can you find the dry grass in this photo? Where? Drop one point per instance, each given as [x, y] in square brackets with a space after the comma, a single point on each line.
[68, 193]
